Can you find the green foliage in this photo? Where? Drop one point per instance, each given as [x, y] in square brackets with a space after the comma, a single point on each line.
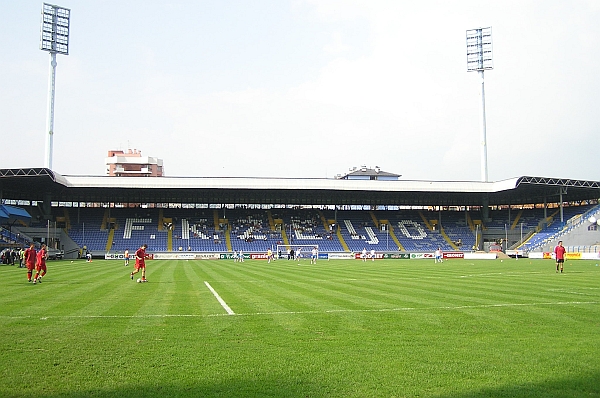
[389, 328]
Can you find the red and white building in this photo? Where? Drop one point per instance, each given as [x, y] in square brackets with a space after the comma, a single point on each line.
[133, 164]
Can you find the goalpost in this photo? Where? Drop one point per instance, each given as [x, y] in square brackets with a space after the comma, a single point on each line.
[305, 250]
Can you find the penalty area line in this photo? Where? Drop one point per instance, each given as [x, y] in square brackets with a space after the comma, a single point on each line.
[219, 299]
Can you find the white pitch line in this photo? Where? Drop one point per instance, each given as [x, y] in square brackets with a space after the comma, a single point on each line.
[397, 309]
[219, 299]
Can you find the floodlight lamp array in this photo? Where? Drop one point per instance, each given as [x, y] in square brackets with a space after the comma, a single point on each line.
[479, 49]
[55, 29]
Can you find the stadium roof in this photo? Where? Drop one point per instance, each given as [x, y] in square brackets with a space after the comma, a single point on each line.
[40, 183]
[11, 214]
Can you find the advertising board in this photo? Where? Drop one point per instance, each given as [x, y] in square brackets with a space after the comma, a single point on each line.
[397, 256]
[121, 256]
[590, 256]
[358, 256]
[258, 256]
[480, 256]
[420, 256]
[172, 256]
[447, 255]
[340, 256]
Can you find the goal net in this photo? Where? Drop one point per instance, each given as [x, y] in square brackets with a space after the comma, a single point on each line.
[300, 251]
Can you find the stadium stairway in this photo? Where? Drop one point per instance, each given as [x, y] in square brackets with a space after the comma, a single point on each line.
[271, 221]
[104, 220]
[395, 238]
[338, 232]
[427, 224]
[447, 238]
[109, 241]
[216, 219]
[517, 218]
[284, 237]
[228, 237]
[470, 222]
[67, 219]
[374, 218]
[323, 220]
[526, 240]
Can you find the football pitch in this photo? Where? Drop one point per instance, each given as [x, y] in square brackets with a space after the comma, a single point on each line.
[389, 328]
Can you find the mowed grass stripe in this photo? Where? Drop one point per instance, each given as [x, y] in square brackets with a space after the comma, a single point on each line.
[295, 289]
[69, 288]
[199, 300]
[242, 287]
[396, 291]
[265, 287]
[486, 297]
[312, 290]
[312, 293]
[304, 285]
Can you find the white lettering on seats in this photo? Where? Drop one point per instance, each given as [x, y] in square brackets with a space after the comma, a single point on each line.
[403, 227]
[130, 227]
[373, 239]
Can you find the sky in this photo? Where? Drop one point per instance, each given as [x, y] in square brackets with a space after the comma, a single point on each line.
[307, 88]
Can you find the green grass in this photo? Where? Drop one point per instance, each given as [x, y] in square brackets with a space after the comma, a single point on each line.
[392, 328]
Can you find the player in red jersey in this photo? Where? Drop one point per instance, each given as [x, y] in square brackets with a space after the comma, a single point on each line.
[140, 262]
[559, 254]
[40, 265]
[29, 257]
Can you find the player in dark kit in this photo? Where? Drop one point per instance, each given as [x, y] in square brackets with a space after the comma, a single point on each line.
[140, 262]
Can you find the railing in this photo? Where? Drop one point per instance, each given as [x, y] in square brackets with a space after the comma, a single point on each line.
[583, 249]
[570, 225]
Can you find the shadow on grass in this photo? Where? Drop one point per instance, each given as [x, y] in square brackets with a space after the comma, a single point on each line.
[583, 386]
[238, 388]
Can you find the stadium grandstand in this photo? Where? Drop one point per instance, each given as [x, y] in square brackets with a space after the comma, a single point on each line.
[220, 215]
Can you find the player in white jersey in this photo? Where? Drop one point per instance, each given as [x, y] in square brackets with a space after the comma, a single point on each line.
[363, 255]
[313, 255]
[438, 256]
[372, 254]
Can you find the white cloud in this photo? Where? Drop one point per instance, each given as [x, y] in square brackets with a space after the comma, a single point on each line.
[337, 45]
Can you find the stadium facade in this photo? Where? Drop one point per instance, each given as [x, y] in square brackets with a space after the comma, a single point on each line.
[43, 190]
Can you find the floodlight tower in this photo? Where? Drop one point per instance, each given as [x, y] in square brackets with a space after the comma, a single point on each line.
[479, 58]
[54, 38]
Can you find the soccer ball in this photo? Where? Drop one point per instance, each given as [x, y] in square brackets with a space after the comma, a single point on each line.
[139, 280]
